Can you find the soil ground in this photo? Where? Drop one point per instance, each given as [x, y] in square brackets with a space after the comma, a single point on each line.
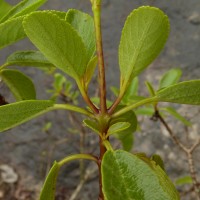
[27, 149]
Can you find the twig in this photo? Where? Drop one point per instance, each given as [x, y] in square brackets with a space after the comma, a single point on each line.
[193, 174]
[171, 133]
[195, 146]
[188, 152]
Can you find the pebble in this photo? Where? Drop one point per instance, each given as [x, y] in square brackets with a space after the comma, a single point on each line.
[194, 18]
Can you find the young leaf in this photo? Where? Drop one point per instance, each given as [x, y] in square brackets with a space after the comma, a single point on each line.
[127, 140]
[4, 8]
[96, 101]
[59, 81]
[143, 37]
[11, 31]
[118, 127]
[14, 114]
[28, 58]
[131, 95]
[49, 187]
[22, 8]
[58, 41]
[47, 127]
[84, 24]
[92, 125]
[150, 88]
[174, 113]
[170, 78]
[132, 178]
[158, 160]
[20, 85]
[126, 136]
[187, 92]
[183, 180]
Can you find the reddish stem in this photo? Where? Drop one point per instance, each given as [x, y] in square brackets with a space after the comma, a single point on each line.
[102, 152]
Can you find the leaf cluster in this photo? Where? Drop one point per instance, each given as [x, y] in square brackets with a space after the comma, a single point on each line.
[66, 42]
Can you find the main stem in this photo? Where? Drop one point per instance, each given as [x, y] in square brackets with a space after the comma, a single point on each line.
[96, 7]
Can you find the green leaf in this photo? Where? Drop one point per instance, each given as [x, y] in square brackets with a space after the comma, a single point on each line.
[22, 8]
[96, 101]
[49, 187]
[58, 41]
[183, 180]
[143, 37]
[28, 58]
[93, 125]
[170, 78]
[20, 85]
[127, 140]
[60, 14]
[15, 114]
[131, 91]
[145, 111]
[126, 136]
[118, 127]
[59, 81]
[175, 114]
[90, 71]
[11, 31]
[4, 8]
[84, 24]
[47, 127]
[48, 191]
[150, 88]
[114, 90]
[134, 179]
[187, 92]
[158, 160]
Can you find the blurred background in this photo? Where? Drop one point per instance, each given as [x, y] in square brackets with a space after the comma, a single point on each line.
[29, 150]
